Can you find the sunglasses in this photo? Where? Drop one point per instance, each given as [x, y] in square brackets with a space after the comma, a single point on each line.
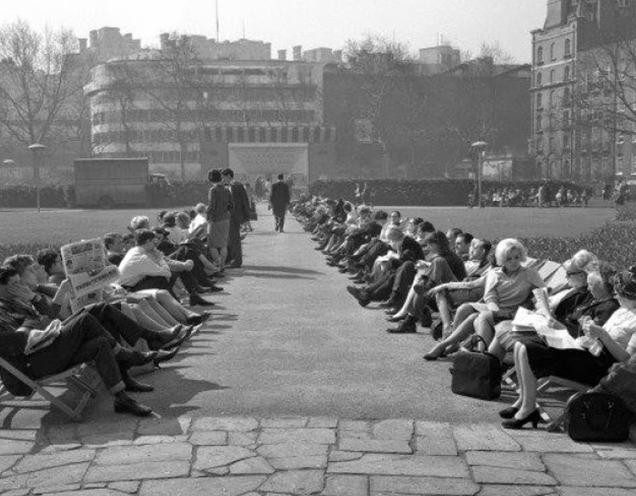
[570, 274]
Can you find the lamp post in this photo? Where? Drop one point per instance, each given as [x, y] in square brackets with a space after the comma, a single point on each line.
[8, 162]
[35, 149]
[479, 147]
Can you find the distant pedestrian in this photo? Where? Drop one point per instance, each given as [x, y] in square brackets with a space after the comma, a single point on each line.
[279, 201]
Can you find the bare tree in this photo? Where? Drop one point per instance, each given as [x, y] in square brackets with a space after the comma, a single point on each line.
[176, 86]
[383, 66]
[41, 79]
[496, 52]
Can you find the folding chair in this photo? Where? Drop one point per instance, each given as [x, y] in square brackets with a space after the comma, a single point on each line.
[547, 269]
[548, 382]
[558, 278]
[71, 376]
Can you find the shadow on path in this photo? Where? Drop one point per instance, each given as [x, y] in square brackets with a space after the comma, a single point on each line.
[275, 268]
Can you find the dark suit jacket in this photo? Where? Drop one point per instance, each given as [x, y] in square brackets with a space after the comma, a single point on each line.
[279, 198]
[13, 341]
[241, 211]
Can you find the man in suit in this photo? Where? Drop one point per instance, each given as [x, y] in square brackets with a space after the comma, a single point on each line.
[279, 201]
[238, 215]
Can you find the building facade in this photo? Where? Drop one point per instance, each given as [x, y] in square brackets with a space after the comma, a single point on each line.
[572, 137]
[258, 117]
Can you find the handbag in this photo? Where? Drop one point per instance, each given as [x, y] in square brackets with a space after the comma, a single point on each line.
[593, 416]
[475, 373]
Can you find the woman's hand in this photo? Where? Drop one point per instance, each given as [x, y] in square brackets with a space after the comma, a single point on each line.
[593, 330]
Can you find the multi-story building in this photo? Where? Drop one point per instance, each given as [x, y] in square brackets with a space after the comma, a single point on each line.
[572, 137]
[258, 117]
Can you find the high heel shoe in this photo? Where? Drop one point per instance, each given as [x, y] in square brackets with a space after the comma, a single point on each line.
[508, 413]
[393, 318]
[430, 356]
[515, 423]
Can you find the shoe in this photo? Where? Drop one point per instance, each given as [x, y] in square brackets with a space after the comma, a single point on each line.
[198, 319]
[196, 300]
[234, 266]
[343, 270]
[393, 318]
[134, 386]
[508, 413]
[407, 326]
[388, 304]
[215, 289]
[432, 355]
[426, 318]
[125, 404]
[130, 358]
[359, 295]
[164, 356]
[436, 331]
[514, 423]
[179, 340]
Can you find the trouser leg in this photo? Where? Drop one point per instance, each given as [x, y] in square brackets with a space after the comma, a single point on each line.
[120, 326]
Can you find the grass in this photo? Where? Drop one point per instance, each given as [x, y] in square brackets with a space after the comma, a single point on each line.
[548, 233]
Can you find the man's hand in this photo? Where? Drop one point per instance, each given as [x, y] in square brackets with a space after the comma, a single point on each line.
[189, 265]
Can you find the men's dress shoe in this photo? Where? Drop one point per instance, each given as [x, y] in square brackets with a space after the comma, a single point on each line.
[393, 318]
[134, 386]
[204, 289]
[387, 304]
[196, 300]
[215, 289]
[125, 404]
[343, 270]
[199, 319]
[132, 358]
[407, 326]
[164, 356]
[360, 295]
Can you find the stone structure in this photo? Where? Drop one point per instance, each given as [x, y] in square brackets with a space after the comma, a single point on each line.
[259, 117]
[570, 137]
[107, 43]
[211, 49]
[438, 59]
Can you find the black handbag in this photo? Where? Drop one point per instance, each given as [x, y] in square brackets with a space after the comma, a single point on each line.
[476, 374]
[595, 416]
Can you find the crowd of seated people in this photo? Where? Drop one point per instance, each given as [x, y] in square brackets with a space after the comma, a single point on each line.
[141, 320]
[476, 287]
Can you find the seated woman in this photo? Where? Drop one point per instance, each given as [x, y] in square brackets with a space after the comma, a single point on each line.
[441, 265]
[450, 295]
[563, 303]
[506, 289]
[617, 340]
[600, 305]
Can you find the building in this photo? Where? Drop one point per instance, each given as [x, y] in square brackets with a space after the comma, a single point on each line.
[210, 49]
[258, 117]
[572, 137]
[438, 59]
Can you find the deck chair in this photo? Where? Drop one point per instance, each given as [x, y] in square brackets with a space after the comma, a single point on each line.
[72, 376]
[558, 278]
[547, 269]
[571, 387]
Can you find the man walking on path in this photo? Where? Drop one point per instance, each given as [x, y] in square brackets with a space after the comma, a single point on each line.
[279, 201]
[239, 214]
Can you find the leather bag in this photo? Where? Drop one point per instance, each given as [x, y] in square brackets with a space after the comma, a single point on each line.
[593, 416]
[475, 373]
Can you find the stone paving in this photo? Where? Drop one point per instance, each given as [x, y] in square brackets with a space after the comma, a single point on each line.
[242, 456]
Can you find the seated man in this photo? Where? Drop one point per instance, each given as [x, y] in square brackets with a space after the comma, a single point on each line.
[78, 340]
[144, 267]
[462, 245]
[51, 261]
[114, 245]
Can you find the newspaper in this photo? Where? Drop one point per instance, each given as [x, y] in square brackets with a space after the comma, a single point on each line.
[87, 271]
[555, 333]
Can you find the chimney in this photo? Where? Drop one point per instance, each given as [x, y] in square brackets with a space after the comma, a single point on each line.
[164, 39]
[282, 54]
[93, 38]
[297, 52]
[83, 42]
[337, 54]
[128, 37]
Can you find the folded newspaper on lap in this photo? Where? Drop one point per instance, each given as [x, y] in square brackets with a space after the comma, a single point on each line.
[555, 333]
[40, 339]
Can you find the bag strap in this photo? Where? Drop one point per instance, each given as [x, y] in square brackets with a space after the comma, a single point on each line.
[472, 341]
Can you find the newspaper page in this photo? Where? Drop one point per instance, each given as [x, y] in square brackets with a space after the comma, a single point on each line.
[542, 302]
[555, 333]
[87, 271]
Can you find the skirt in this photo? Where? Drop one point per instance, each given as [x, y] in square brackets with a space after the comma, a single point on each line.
[218, 233]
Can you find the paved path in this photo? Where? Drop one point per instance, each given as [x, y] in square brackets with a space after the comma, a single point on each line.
[292, 389]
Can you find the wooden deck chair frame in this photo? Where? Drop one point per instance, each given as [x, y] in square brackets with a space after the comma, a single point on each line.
[547, 382]
[72, 376]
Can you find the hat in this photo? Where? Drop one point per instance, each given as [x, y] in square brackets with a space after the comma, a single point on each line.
[625, 283]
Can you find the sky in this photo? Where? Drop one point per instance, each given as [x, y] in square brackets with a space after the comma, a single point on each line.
[284, 23]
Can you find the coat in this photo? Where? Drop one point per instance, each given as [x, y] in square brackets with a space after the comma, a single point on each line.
[279, 197]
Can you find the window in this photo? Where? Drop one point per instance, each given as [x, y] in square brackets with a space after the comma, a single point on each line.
[568, 48]
[566, 141]
[566, 118]
[566, 97]
[552, 76]
[551, 143]
[539, 79]
[623, 3]
[540, 55]
[551, 101]
[538, 123]
[566, 73]
[552, 54]
[539, 100]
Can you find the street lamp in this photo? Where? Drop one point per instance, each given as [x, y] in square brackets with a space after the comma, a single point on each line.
[35, 149]
[8, 162]
[479, 147]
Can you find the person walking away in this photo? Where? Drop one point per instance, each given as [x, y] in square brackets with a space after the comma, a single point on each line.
[219, 207]
[279, 201]
[239, 214]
